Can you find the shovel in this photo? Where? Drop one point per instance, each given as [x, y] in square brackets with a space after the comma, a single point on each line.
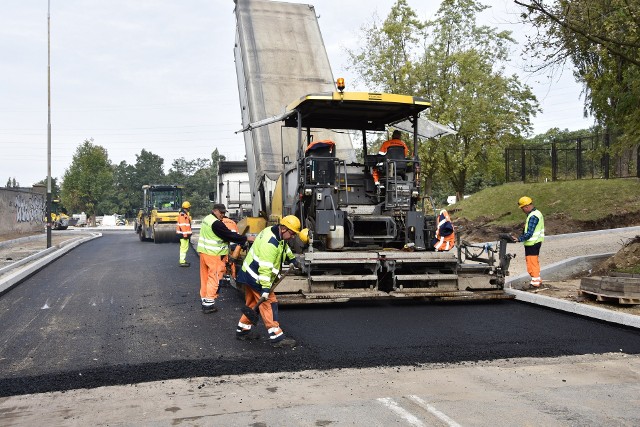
[253, 314]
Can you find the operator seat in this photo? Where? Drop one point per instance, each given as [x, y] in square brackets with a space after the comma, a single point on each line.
[400, 162]
[321, 162]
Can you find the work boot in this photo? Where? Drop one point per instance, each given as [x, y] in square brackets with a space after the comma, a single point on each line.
[247, 335]
[285, 342]
[184, 264]
[206, 309]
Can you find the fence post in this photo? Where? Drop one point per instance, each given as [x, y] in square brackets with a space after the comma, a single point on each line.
[606, 155]
[579, 158]
[523, 173]
[506, 164]
[554, 161]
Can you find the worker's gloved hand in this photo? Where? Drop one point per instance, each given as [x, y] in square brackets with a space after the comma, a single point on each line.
[264, 296]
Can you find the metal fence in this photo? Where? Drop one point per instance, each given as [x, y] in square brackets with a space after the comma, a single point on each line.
[588, 157]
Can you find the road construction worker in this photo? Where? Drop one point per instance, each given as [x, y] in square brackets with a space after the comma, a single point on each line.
[260, 269]
[395, 141]
[445, 235]
[532, 239]
[234, 248]
[213, 248]
[183, 229]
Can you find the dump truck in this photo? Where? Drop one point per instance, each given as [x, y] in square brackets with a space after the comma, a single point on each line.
[233, 189]
[366, 242]
[158, 216]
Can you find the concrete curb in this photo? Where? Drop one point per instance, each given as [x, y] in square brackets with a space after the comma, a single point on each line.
[41, 258]
[577, 308]
[552, 271]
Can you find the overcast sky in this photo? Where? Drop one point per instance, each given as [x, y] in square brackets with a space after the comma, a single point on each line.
[159, 75]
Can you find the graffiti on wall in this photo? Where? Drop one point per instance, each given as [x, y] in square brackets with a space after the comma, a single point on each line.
[30, 208]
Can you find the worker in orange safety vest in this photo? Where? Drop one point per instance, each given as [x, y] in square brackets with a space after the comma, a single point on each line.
[183, 229]
[234, 248]
[395, 141]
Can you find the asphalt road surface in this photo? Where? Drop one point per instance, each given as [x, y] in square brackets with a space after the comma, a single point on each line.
[119, 311]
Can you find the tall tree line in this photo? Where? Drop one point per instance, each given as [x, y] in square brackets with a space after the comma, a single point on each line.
[94, 185]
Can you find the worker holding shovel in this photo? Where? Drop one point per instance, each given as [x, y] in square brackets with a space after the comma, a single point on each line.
[260, 269]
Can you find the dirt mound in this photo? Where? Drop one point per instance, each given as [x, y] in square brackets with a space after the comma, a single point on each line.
[481, 229]
[627, 257]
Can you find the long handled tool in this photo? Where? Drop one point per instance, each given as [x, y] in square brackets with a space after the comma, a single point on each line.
[253, 314]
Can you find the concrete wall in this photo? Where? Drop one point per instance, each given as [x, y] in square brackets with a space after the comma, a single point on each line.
[22, 210]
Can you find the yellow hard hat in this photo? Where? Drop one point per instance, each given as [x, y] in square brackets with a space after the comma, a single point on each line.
[291, 222]
[304, 235]
[186, 205]
[524, 201]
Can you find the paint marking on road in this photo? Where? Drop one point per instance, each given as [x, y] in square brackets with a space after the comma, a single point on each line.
[442, 417]
[395, 407]
[46, 305]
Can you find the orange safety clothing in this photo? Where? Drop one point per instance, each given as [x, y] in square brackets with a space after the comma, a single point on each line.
[325, 143]
[184, 224]
[375, 172]
[212, 269]
[183, 229]
[234, 248]
[445, 234]
[268, 312]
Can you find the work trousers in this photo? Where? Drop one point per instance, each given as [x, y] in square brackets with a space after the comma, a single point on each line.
[531, 256]
[184, 248]
[268, 312]
[212, 269]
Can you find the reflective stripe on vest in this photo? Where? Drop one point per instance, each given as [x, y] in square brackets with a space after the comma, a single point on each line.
[264, 259]
[209, 243]
[538, 233]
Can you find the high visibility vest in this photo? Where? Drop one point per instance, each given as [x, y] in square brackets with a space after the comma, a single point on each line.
[264, 260]
[184, 223]
[209, 243]
[538, 232]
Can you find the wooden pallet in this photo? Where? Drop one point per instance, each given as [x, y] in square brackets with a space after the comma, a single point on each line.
[623, 290]
[611, 298]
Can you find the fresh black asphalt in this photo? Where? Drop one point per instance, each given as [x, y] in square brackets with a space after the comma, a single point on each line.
[119, 311]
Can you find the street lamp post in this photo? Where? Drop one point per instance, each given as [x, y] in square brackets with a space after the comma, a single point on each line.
[48, 222]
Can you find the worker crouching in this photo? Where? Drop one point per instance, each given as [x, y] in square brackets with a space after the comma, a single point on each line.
[445, 236]
[260, 269]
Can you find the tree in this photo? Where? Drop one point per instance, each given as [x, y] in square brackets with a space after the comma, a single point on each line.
[11, 182]
[88, 181]
[602, 40]
[460, 69]
[195, 175]
[128, 194]
[149, 169]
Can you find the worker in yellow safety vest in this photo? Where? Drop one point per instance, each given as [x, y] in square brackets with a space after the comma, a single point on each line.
[260, 269]
[213, 249]
[532, 238]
